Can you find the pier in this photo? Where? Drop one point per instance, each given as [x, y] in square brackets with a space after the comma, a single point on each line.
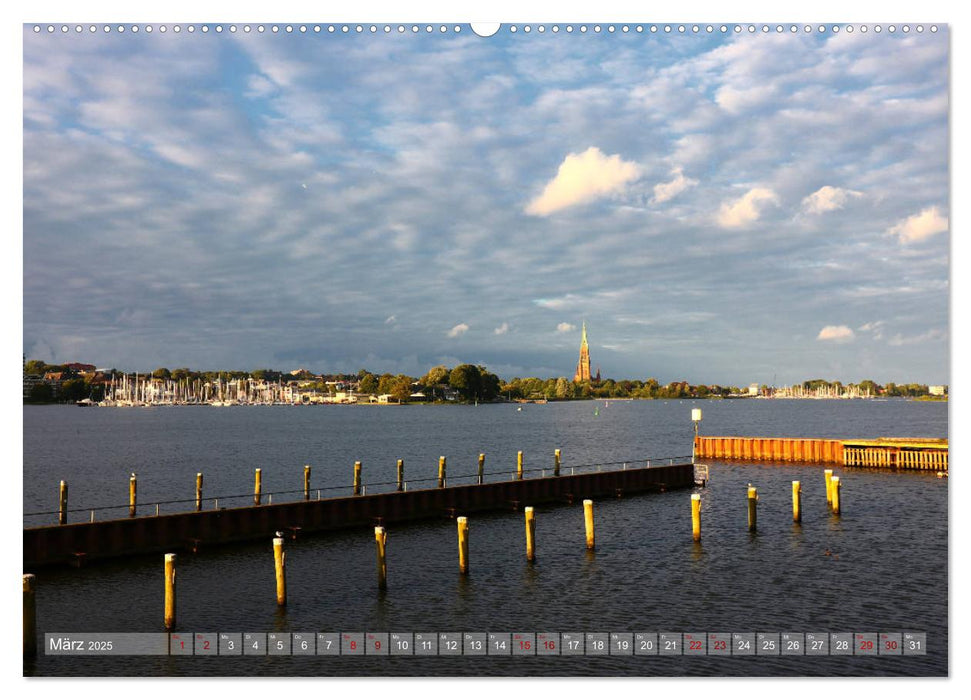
[72, 544]
[891, 453]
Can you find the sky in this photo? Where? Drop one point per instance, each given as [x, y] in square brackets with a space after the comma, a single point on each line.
[717, 208]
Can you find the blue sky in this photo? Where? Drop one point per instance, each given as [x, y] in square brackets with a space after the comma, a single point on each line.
[736, 208]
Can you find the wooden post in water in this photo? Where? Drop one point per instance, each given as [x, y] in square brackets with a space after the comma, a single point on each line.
[519, 465]
[62, 507]
[198, 491]
[258, 487]
[530, 534]
[796, 502]
[169, 591]
[280, 564]
[463, 525]
[30, 616]
[132, 488]
[306, 482]
[828, 475]
[556, 462]
[753, 497]
[401, 475]
[696, 516]
[357, 478]
[836, 495]
[380, 542]
[481, 466]
[588, 522]
[441, 472]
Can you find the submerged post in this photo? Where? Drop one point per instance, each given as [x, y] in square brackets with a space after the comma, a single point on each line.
[357, 478]
[380, 541]
[796, 502]
[753, 497]
[401, 475]
[280, 564]
[258, 487]
[62, 505]
[481, 466]
[199, 491]
[463, 527]
[306, 482]
[132, 484]
[530, 534]
[441, 472]
[169, 591]
[588, 522]
[828, 475]
[30, 616]
[519, 465]
[556, 462]
[696, 516]
[836, 495]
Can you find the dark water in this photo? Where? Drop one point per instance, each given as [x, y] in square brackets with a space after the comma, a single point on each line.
[886, 567]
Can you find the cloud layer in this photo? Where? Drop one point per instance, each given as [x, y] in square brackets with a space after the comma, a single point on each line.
[706, 203]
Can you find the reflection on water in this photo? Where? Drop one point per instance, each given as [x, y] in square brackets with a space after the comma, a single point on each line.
[881, 566]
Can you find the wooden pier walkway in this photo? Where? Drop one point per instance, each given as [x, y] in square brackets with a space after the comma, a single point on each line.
[71, 544]
[892, 453]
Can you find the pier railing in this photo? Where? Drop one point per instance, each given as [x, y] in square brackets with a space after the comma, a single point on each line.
[145, 508]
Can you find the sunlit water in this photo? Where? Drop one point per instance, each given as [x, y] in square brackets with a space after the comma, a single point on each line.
[881, 566]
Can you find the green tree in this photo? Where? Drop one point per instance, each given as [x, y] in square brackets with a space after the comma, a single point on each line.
[35, 367]
[401, 388]
[162, 373]
[74, 390]
[41, 393]
[368, 384]
[435, 376]
[465, 380]
[385, 382]
[489, 385]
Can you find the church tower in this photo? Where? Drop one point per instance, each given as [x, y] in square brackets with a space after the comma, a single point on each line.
[583, 364]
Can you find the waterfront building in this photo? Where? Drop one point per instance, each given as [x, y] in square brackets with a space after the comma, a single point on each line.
[583, 364]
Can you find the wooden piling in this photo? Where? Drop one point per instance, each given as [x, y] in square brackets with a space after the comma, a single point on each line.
[828, 476]
[280, 564]
[306, 482]
[30, 616]
[530, 534]
[588, 522]
[198, 491]
[401, 475]
[696, 516]
[796, 502]
[481, 467]
[132, 488]
[169, 591]
[556, 462]
[258, 487]
[380, 542]
[753, 497]
[463, 528]
[836, 495]
[519, 465]
[441, 472]
[357, 478]
[62, 505]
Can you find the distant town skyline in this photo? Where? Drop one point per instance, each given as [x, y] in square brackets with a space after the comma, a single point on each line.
[736, 208]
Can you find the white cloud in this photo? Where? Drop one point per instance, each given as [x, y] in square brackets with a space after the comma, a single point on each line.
[390, 319]
[837, 334]
[933, 334]
[582, 178]
[663, 191]
[501, 329]
[458, 330]
[565, 328]
[919, 226]
[747, 208]
[827, 198]
[875, 327]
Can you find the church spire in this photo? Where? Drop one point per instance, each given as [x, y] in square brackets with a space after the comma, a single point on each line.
[583, 364]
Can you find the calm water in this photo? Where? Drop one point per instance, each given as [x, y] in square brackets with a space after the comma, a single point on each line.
[886, 567]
